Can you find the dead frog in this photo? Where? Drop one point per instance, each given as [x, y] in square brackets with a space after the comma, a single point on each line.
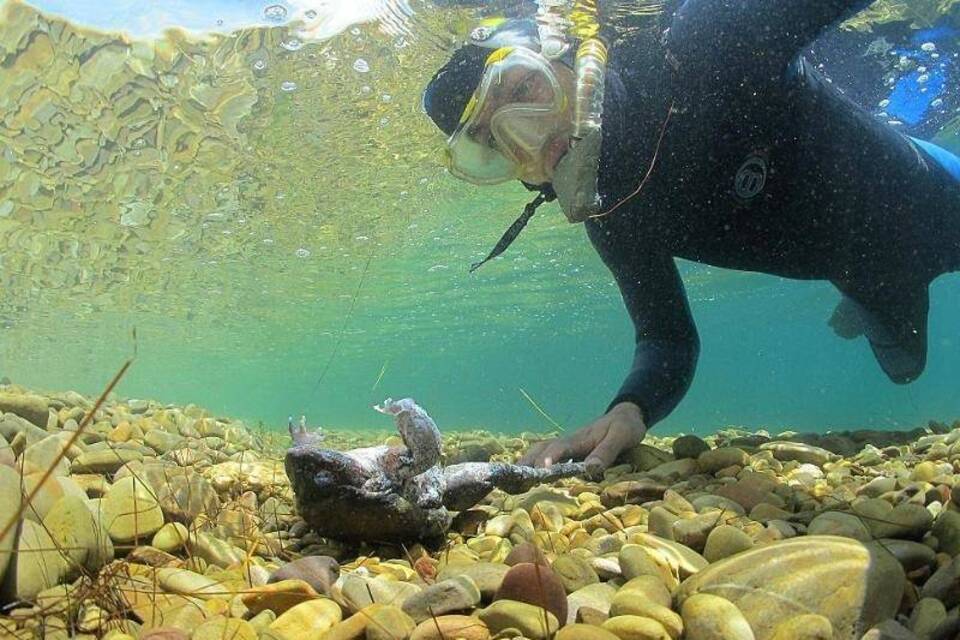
[397, 493]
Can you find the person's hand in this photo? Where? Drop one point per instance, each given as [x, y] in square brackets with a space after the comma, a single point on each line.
[598, 443]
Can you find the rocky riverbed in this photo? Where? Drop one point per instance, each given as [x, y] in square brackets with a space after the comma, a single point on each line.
[170, 523]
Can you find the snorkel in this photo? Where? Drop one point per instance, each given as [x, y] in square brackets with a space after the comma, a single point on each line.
[575, 183]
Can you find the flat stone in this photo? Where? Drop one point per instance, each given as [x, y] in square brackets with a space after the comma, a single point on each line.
[389, 623]
[10, 499]
[583, 632]
[170, 537]
[488, 576]
[447, 596]
[73, 527]
[574, 572]
[716, 459]
[307, 620]
[447, 627]
[36, 564]
[130, 511]
[648, 588]
[597, 596]
[355, 591]
[852, 584]
[532, 622]
[636, 628]
[944, 584]
[912, 555]
[30, 407]
[629, 604]
[809, 626]
[163, 441]
[644, 457]
[709, 617]
[214, 550]
[632, 492]
[838, 523]
[799, 452]
[725, 541]
[682, 559]
[104, 462]
[220, 627]
[926, 616]
[947, 530]
[674, 470]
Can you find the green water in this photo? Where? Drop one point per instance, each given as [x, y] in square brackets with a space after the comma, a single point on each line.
[284, 252]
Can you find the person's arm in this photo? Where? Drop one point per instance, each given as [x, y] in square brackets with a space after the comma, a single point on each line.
[667, 345]
[745, 41]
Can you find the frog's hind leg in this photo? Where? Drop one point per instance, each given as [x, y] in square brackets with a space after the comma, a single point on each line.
[468, 483]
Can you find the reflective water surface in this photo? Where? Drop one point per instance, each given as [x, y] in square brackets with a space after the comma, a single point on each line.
[253, 187]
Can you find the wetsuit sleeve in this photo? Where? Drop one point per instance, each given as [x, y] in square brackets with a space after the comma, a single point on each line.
[667, 345]
[748, 41]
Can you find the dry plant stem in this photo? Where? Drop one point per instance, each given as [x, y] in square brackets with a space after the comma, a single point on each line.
[15, 519]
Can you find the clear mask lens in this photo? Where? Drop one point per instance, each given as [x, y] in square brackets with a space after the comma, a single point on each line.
[517, 110]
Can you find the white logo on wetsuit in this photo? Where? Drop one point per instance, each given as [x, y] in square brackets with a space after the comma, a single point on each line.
[751, 178]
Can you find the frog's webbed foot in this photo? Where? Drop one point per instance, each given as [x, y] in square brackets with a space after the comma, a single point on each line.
[468, 483]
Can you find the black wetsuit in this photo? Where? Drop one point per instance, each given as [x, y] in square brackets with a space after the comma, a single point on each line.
[764, 166]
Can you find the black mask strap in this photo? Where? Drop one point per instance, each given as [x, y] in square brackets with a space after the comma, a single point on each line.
[511, 234]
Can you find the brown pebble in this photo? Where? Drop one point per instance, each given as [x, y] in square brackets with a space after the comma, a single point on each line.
[525, 552]
[534, 584]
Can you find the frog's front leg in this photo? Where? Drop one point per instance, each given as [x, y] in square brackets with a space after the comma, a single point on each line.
[420, 435]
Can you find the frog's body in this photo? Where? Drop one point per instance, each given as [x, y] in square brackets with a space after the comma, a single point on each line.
[398, 492]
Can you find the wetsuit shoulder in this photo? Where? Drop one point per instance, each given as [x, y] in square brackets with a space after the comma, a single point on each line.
[667, 345]
[748, 41]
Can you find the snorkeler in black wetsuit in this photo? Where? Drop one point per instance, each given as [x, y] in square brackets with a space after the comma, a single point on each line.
[748, 159]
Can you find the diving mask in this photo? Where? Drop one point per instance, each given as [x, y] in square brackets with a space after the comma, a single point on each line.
[518, 118]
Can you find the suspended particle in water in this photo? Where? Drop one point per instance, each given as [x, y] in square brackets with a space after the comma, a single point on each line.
[928, 47]
[386, 97]
[355, 31]
[936, 104]
[921, 69]
[259, 65]
[884, 104]
[310, 14]
[365, 90]
[361, 66]
[288, 86]
[384, 121]
[275, 13]
[923, 79]
[219, 22]
[302, 253]
[293, 44]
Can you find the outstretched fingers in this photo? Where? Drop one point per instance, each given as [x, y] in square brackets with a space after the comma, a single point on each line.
[614, 442]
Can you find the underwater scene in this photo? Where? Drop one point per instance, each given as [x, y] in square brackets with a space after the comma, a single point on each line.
[480, 319]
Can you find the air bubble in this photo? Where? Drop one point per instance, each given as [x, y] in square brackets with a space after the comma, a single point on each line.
[936, 104]
[884, 104]
[260, 65]
[275, 13]
[386, 97]
[288, 85]
[923, 79]
[303, 253]
[928, 47]
[293, 44]
[361, 66]
[355, 31]
[365, 90]
[310, 14]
